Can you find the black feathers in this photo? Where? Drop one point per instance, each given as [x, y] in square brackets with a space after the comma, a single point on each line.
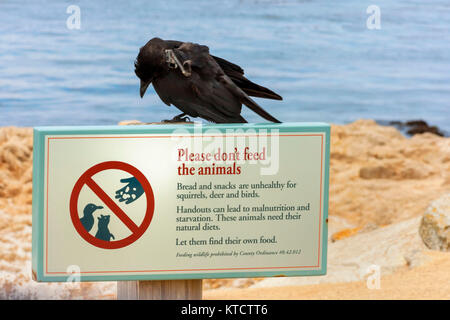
[200, 85]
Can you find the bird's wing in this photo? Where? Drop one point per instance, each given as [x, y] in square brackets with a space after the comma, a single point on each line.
[174, 43]
[231, 69]
[212, 100]
[236, 74]
[213, 86]
[245, 99]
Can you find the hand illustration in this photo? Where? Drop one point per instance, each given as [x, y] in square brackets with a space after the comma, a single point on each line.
[131, 192]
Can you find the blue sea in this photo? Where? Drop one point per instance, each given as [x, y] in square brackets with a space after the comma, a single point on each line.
[319, 55]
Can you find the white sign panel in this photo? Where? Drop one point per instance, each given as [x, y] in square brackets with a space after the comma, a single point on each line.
[180, 202]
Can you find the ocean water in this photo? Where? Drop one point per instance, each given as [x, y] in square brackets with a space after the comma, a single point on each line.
[319, 55]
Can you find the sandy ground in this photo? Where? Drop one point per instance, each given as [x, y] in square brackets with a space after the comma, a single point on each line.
[429, 281]
[380, 185]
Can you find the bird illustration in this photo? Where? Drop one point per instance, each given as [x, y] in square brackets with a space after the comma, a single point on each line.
[185, 75]
[88, 220]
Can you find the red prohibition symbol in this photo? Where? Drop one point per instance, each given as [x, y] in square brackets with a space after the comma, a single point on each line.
[86, 179]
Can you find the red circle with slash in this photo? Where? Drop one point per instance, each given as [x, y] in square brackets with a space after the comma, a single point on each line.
[86, 179]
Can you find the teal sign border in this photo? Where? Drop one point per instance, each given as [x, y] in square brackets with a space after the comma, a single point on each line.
[38, 196]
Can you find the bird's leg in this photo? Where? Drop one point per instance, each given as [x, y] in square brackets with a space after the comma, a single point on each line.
[179, 118]
[173, 62]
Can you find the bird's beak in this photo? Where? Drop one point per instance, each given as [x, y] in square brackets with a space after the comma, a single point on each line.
[144, 86]
[99, 207]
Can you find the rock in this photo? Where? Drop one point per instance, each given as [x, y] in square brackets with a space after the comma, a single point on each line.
[344, 234]
[414, 123]
[377, 175]
[396, 169]
[391, 248]
[16, 156]
[422, 129]
[338, 227]
[129, 122]
[414, 127]
[348, 232]
[435, 225]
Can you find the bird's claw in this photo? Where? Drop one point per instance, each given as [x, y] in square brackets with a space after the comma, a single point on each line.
[184, 119]
[179, 118]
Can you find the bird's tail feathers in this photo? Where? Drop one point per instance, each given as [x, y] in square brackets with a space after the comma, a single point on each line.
[245, 99]
[255, 90]
[256, 108]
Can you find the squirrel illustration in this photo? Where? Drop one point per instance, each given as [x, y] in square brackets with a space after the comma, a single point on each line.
[103, 231]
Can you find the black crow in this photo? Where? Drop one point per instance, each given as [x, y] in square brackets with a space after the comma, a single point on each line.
[199, 84]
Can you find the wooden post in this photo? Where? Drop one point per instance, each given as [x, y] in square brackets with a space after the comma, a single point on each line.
[160, 290]
[155, 289]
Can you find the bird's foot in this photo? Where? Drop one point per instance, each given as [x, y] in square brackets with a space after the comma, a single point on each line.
[179, 118]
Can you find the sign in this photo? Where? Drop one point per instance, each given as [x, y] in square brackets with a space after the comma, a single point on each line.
[161, 202]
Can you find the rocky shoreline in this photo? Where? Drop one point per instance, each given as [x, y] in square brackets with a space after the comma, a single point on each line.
[413, 127]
